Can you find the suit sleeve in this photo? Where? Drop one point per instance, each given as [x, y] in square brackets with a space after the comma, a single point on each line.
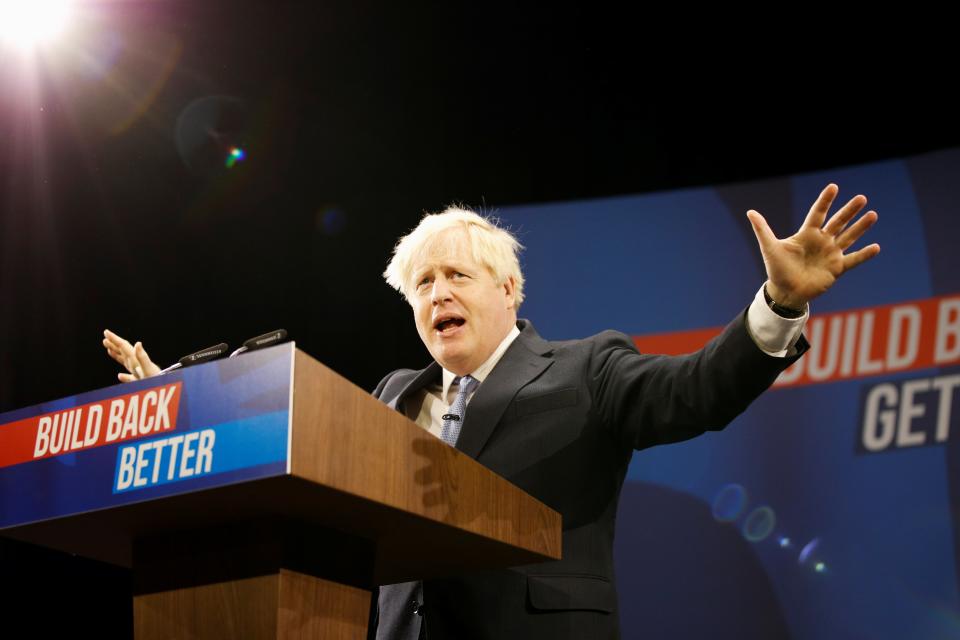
[655, 399]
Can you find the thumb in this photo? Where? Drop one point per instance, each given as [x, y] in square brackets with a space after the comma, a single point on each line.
[761, 229]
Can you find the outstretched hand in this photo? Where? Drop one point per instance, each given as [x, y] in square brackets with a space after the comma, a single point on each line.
[806, 264]
[134, 358]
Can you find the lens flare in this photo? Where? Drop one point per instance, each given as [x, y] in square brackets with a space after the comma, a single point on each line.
[24, 25]
[331, 220]
[759, 524]
[729, 503]
[809, 551]
[236, 155]
[211, 133]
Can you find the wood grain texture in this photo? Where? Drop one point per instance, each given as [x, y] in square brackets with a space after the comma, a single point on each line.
[244, 608]
[284, 605]
[315, 608]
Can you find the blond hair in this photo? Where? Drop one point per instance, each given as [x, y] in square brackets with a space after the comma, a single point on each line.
[491, 245]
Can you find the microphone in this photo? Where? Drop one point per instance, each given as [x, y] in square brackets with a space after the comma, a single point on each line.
[204, 355]
[267, 339]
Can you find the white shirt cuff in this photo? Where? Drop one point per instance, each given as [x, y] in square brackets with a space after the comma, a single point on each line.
[774, 334]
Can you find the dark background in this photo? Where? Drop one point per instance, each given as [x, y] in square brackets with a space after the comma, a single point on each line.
[357, 118]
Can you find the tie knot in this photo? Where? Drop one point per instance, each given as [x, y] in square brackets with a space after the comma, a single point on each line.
[465, 384]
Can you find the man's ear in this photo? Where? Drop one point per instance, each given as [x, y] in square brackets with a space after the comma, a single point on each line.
[510, 288]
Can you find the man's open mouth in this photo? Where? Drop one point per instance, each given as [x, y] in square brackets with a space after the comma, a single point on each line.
[448, 324]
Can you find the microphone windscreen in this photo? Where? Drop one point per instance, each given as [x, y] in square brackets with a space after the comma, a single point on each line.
[210, 353]
[265, 340]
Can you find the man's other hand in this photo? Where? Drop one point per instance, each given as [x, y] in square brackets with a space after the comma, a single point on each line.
[806, 264]
[134, 358]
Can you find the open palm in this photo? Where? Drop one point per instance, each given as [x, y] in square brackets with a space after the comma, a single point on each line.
[806, 264]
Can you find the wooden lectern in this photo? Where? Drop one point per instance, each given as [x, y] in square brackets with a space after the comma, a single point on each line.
[231, 536]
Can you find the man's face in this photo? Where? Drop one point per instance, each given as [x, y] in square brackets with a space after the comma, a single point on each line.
[462, 314]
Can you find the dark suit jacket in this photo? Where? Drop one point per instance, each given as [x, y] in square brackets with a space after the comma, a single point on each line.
[561, 421]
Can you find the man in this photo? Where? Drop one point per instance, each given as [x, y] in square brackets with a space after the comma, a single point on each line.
[561, 419]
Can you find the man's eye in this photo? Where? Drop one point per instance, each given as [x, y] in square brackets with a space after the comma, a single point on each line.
[457, 274]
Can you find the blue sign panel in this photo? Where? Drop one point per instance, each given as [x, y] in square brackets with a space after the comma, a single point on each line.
[205, 426]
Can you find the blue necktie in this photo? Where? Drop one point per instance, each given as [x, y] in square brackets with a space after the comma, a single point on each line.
[453, 419]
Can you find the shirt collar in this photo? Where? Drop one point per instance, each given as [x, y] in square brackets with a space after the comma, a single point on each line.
[484, 369]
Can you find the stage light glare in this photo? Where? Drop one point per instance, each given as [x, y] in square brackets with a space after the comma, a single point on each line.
[236, 155]
[25, 24]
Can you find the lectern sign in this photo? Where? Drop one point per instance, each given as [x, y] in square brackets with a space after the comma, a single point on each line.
[210, 425]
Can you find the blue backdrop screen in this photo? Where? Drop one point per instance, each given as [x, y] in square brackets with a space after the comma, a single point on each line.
[830, 508]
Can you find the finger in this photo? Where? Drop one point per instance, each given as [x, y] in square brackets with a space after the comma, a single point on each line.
[147, 368]
[116, 355]
[125, 349]
[119, 343]
[851, 260]
[111, 337]
[846, 213]
[857, 229]
[113, 353]
[126, 377]
[121, 351]
[142, 356]
[818, 212]
[761, 229]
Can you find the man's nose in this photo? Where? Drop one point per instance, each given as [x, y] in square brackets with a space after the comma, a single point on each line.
[441, 291]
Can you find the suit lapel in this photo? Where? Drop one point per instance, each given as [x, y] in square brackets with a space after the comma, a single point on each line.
[426, 376]
[522, 362]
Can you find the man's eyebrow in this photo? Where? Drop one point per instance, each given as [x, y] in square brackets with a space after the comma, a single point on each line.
[421, 272]
[450, 265]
